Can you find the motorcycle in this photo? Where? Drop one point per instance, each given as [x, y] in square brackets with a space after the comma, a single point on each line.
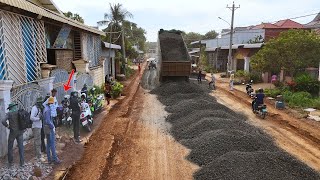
[66, 117]
[95, 103]
[86, 119]
[260, 110]
[249, 88]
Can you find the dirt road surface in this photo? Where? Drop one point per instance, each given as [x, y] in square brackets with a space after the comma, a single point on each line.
[299, 137]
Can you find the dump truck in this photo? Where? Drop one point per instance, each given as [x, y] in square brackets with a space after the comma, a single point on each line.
[173, 54]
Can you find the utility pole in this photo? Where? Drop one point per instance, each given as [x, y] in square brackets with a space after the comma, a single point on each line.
[123, 51]
[230, 62]
[110, 41]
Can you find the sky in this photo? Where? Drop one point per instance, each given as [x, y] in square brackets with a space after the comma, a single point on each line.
[196, 15]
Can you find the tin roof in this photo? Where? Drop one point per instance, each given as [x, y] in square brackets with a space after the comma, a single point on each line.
[111, 46]
[30, 7]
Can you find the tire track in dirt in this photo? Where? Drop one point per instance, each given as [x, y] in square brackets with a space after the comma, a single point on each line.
[296, 136]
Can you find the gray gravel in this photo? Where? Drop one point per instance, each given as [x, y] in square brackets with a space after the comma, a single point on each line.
[172, 47]
[262, 165]
[25, 172]
[221, 141]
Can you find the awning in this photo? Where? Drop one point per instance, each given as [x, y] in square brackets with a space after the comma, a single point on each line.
[236, 46]
[113, 46]
[210, 49]
[251, 46]
[27, 6]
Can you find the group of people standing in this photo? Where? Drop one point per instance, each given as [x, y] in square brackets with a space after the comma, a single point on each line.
[44, 122]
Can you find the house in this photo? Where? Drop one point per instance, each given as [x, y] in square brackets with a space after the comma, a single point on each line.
[108, 56]
[246, 42]
[39, 47]
[315, 25]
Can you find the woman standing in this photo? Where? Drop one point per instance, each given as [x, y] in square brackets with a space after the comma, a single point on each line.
[107, 90]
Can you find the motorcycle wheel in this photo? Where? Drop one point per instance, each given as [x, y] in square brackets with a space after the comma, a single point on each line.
[88, 128]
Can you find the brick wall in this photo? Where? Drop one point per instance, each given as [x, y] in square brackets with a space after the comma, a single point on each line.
[273, 33]
[64, 59]
[97, 75]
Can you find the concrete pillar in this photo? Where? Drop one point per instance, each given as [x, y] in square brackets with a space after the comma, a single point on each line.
[282, 75]
[5, 99]
[46, 84]
[247, 64]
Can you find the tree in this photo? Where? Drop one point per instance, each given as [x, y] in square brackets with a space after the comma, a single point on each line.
[76, 17]
[211, 35]
[191, 37]
[293, 51]
[115, 21]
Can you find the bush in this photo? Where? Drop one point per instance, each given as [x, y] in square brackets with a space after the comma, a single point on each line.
[99, 90]
[129, 72]
[305, 82]
[116, 89]
[255, 76]
[272, 92]
[299, 99]
[241, 74]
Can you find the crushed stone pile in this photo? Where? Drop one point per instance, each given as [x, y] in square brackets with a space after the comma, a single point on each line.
[208, 124]
[222, 143]
[172, 47]
[217, 143]
[262, 165]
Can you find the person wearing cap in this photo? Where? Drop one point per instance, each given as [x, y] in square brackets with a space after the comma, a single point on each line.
[15, 133]
[50, 132]
[35, 117]
[53, 106]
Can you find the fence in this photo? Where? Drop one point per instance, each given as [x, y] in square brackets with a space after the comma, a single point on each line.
[61, 76]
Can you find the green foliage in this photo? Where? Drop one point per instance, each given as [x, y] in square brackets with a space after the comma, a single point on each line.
[241, 73]
[99, 89]
[304, 82]
[211, 35]
[272, 92]
[257, 39]
[255, 76]
[292, 50]
[295, 99]
[116, 89]
[76, 17]
[129, 72]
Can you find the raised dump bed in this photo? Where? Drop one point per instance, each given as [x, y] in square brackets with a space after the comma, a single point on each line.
[175, 60]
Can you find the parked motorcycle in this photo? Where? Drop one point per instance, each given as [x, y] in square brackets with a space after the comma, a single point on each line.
[95, 102]
[249, 88]
[86, 119]
[66, 118]
[260, 110]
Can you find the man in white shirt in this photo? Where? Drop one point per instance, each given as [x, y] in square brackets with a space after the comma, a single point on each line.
[35, 117]
[213, 81]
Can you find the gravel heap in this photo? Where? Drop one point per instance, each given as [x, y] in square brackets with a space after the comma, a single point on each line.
[172, 47]
[262, 165]
[17, 172]
[221, 141]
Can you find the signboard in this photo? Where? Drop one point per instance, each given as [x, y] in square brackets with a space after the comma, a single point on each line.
[62, 37]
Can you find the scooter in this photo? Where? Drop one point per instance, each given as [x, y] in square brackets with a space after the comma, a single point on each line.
[86, 119]
[261, 110]
[249, 88]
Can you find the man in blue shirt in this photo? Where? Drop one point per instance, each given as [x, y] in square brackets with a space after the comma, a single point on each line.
[51, 138]
[259, 98]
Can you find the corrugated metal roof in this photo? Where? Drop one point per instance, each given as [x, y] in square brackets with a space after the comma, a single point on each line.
[235, 46]
[252, 46]
[27, 6]
[210, 49]
[113, 46]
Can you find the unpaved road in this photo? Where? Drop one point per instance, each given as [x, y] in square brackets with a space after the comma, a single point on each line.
[132, 141]
[299, 137]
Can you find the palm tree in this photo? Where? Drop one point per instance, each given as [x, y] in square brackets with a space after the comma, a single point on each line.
[115, 17]
[115, 20]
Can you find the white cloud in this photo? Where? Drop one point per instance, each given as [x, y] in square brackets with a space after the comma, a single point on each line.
[199, 16]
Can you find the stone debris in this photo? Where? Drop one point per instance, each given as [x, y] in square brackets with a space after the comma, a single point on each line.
[222, 143]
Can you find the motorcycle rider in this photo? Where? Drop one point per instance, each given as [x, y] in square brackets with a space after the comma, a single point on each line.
[84, 89]
[74, 105]
[259, 99]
